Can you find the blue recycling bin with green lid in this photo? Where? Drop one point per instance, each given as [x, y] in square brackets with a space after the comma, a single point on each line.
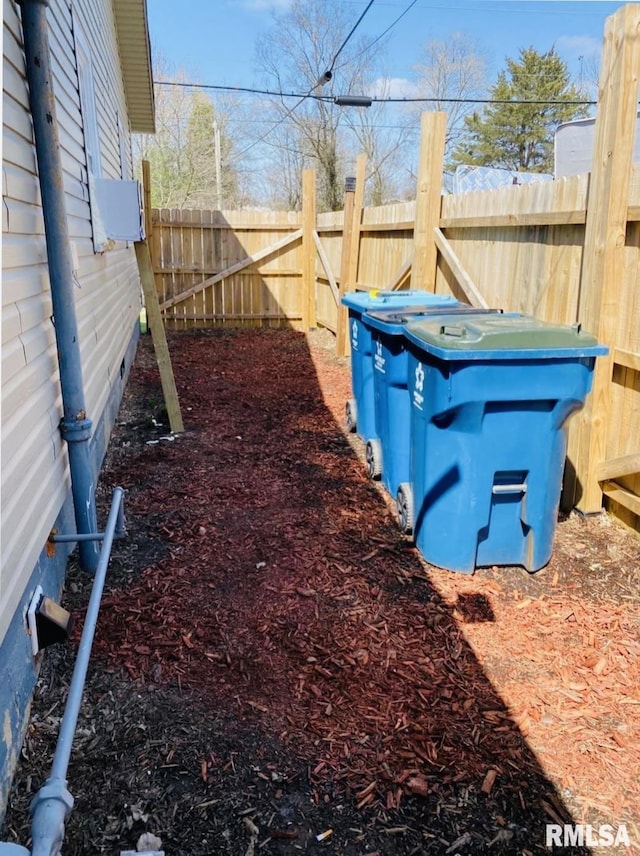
[490, 399]
[388, 451]
[360, 410]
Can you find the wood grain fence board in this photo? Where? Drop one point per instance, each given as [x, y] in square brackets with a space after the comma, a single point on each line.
[356, 231]
[216, 226]
[165, 233]
[342, 338]
[160, 345]
[402, 275]
[625, 466]
[606, 229]
[146, 197]
[309, 215]
[624, 442]
[547, 218]
[243, 318]
[623, 496]
[177, 254]
[428, 200]
[627, 358]
[167, 255]
[191, 238]
[326, 265]
[205, 253]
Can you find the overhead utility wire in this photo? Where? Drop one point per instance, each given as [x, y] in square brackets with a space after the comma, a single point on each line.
[352, 31]
[327, 76]
[384, 32]
[373, 97]
[510, 7]
[276, 124]
[547, 102]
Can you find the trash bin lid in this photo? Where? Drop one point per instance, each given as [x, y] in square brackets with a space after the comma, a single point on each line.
[392, 321]
[363, 300]
[500, 337]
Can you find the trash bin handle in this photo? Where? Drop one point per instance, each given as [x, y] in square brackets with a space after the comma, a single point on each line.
[452, 330]
[509, 488]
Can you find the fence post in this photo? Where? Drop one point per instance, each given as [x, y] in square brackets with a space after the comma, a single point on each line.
[605, 233]
[342, 344]
[356, 230]
[428, 200]
[309, 317]
[353, 200]
[161, 348]
[146, 200]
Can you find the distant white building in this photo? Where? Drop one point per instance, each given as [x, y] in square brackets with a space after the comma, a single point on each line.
[574, 147]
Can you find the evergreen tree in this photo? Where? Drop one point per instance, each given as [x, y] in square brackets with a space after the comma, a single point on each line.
[534, 95]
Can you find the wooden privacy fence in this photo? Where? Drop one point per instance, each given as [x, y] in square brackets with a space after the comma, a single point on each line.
[565, 251]
[216, 267]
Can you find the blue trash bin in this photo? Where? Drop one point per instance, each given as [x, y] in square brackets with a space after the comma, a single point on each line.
[360, 410]
[388, 451]
[490, 399]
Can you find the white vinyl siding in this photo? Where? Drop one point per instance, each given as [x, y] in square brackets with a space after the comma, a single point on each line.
[89, 116]
[123, 135]
[88, 104]
[35, 479]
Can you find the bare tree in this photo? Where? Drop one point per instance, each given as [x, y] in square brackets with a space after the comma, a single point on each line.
[305, 42]
[283, 187]
[589, 80]
[385, 135]
[451, 72]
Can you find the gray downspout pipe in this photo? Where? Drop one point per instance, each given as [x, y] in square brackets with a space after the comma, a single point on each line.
[75, 427]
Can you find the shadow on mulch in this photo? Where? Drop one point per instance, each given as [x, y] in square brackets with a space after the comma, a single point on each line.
[272, 661]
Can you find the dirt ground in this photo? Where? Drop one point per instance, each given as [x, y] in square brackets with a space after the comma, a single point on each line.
[276, 670]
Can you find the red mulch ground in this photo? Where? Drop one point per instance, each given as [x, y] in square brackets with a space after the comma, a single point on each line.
[287, 601]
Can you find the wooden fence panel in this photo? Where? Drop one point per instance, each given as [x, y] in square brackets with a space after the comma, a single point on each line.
[190, 246]
[624, 438]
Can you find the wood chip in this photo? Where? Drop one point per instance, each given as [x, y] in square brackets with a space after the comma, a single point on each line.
[417, 785]
[489, 781]
[349, 644]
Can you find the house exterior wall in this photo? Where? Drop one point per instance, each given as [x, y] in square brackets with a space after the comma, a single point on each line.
[35, 487]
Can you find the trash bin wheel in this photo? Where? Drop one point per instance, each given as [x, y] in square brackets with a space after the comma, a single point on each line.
[404, 506]
[351, 414]
[374, 459]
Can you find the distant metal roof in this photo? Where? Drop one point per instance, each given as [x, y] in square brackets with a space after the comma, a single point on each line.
[135, 58]
[468, 178]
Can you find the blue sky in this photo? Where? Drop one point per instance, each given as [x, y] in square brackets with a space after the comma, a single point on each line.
[214, 40]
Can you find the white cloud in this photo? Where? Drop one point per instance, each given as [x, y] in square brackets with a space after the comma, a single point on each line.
[394, 87]
[266, 5]
[584, 46]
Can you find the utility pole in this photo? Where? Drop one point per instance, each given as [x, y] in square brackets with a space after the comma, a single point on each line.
[216, 142]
